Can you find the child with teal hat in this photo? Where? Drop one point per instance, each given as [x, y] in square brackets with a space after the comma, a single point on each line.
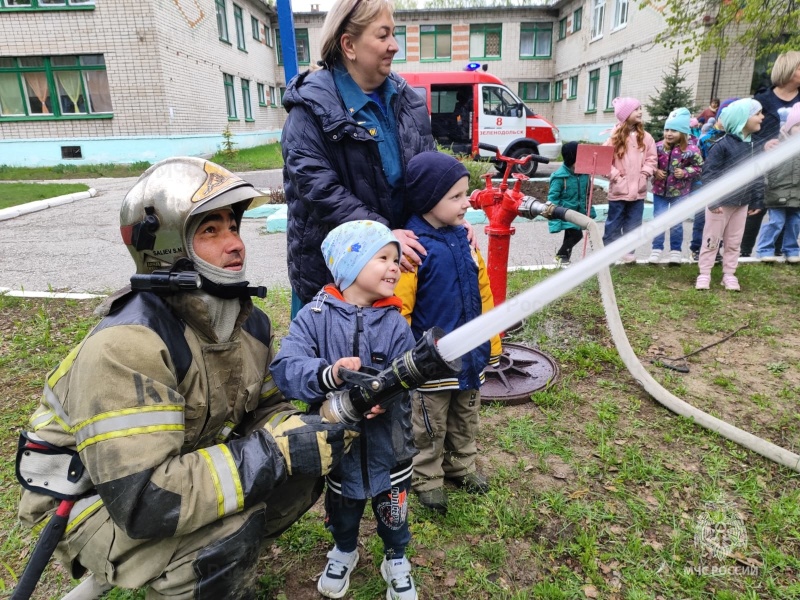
[680, 165]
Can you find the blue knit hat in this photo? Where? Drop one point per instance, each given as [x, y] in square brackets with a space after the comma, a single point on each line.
[350, 246]
[679, 120]
[429, 176]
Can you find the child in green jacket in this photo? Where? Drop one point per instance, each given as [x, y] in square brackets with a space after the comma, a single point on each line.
[569, 191]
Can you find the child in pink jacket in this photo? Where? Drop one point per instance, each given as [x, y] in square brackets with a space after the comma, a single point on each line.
[635, 161]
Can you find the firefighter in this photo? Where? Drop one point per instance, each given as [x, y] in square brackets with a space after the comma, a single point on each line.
[164, 422]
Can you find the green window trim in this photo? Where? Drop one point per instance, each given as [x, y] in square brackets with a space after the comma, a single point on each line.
[577, 19]
[302, 46]
[268, 35]
[262, 98]
[278, 49]
[594, 85]
[47, 88]
[37, 6]
[222, 20]
[572, 88]
[558, 91]
[436, 33]
[400, 38]
[614, 83]
[533, 37]
[247, 107]
[273, 99]
[491, 42]
[562, 28]
[238, 18]
[256, 27]
[230, 97]
[534, 91]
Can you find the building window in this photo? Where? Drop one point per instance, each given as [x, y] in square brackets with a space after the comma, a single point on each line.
[594, 83]
[45, 4]
[281, 92]
[562, 28]
[239, 20]
[256, 27]
[54, 86]
[620, 13]
[262, 98]
[535, 40]
[268, 35]
[572, 89]
[222, 20]
[303, 49]
[485, 41]
[558, 90]
[614, 83]
[248, 111]
[400, 38]
[278, 49]
[434, 42]
[537, 91]
[577, 19]
[273, 98]
[230, 98]
[598, 14]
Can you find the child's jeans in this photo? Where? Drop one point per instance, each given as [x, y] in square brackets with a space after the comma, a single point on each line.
[662, 204]
[343, 515]
[623, 217]
[778, 217]
[726, 227]
[697, 231]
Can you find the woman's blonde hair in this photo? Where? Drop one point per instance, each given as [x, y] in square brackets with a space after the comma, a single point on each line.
[785, 66]
[351, 17]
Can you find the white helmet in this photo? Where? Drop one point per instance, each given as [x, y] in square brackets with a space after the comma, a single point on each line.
[156, 210]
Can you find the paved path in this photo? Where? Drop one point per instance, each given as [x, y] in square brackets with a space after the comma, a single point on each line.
[77, 247]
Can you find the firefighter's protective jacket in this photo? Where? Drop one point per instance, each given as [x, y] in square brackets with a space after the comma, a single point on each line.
[158, 411]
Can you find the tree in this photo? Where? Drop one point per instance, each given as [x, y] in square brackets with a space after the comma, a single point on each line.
[672, 95]
[762, 27]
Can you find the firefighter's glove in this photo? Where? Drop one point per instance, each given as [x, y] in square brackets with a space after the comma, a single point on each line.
[310, 444]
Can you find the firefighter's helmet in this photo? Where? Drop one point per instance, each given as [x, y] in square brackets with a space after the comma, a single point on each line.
[157, 208]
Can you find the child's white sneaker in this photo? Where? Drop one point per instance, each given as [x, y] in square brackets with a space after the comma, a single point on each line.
[675, 257]
[397, 574]
[335, 579]
[655, 257]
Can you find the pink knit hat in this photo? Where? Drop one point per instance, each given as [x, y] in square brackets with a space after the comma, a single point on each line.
[792, 119]
[623, 107]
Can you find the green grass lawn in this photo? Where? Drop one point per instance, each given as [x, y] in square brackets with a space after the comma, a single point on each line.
[597, 490]
[14, 194]
[251, 159]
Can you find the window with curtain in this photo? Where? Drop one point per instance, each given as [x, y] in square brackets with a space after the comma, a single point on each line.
[303, 49]
[536, 91]
[54, 87]
[222, 20]
[248, 110]
[620, 13]
[45, 4]
[594, 84]
[614, 83]
[434, 42]
[230, 97]
[238, 18]
[572, 88]
[535, 40]
[558, 90]
[400, 38]
[262, 97]
[273, 98]
[485, 41]
[598, 16]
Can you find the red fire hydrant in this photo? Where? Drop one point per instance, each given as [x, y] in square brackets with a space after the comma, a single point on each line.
[502, 206]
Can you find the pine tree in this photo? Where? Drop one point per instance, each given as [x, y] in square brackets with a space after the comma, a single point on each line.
[672, 95]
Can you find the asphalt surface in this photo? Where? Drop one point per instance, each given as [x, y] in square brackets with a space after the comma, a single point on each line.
[77, 247]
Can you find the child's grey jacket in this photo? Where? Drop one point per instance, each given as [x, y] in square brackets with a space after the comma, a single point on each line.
[325, 330]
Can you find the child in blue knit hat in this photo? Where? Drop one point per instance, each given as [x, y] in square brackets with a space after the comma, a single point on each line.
[356, 323]
[447, 289]
[680, 165]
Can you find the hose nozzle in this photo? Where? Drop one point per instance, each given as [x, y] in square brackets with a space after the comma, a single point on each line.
[530, 208]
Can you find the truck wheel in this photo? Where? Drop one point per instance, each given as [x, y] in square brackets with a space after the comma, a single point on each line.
[529, 169]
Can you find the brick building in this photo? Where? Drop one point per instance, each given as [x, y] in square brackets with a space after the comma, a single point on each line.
[102, 81]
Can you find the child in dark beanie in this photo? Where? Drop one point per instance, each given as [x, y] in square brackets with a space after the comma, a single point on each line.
[449, 288]
[569, 190]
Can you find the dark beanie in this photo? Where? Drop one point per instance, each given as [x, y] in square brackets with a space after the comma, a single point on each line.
[428, 178]
[569, 152]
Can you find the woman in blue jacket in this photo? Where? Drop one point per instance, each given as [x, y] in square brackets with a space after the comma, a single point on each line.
[353, 125]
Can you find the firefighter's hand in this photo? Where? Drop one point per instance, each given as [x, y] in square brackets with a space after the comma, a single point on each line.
[310, 445]
[411, 249]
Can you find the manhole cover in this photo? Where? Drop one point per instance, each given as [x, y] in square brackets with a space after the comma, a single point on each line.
[521, 372]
